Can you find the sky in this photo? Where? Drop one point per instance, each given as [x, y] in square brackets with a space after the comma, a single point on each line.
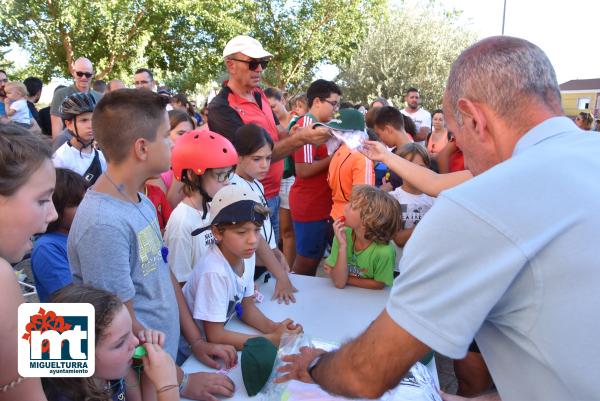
[567, 31]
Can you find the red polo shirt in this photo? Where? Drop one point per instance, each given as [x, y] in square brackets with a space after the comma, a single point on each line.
[228, 111]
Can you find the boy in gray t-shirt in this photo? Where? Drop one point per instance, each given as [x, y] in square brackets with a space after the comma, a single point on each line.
[134, 269]
[115, 241]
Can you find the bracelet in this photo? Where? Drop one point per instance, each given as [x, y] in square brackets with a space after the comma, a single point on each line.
[11, 385]
[167, 388]
[184, 382]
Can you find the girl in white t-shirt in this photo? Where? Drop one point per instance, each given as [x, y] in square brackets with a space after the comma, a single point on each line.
[204, 162]
[414, 203]
[254, 147]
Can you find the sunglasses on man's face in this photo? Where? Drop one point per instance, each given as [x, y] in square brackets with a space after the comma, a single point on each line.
[253, 64]
[86, 74]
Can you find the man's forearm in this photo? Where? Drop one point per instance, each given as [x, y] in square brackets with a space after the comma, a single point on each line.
[287, 146]
[372, 363]
[56, 125]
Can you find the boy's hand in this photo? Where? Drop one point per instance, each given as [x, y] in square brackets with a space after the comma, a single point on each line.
[159, 366]
[284, 291]
[207, 353]
[385, 185]
[327, 270]
[339, 228]
[204, 386]
[286, 327]
[151, 336]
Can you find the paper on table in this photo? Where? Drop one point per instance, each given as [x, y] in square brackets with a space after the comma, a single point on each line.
[417, 385]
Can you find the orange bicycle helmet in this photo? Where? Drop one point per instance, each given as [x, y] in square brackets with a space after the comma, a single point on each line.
[200, 150]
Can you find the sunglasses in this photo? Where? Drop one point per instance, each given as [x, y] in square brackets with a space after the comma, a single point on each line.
[253, 64]
[223, 175]
[86, 74]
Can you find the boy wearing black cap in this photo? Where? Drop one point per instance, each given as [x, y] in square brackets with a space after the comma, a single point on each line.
[224, 286]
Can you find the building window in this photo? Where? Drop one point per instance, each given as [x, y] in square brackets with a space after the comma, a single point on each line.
[583, 103]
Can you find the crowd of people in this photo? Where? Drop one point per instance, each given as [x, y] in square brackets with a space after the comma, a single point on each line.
[163, 217]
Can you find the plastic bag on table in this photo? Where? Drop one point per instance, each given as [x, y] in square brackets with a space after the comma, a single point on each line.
[417, 385]
[353, 139]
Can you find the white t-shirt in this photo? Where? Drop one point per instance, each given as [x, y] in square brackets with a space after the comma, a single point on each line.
[67, 156]
[213, 291]
[413, 208]
[421, 117]
[185, 250]
[267, 228]
[22, 114]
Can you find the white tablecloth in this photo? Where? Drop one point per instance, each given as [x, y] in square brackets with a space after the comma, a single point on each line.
[325, 313]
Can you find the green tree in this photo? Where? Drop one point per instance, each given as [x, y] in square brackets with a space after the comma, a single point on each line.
[182, 40]
[408, 48]
[309, 32]
[118, 35]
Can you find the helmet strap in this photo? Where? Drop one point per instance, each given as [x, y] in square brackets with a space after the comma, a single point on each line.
[77, 137]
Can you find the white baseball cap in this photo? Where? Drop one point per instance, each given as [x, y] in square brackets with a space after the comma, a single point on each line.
[245, 45]
[234, 203]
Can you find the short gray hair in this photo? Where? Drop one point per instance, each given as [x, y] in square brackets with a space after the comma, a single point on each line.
[504, 73]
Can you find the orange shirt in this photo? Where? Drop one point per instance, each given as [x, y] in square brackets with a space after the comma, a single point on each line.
[347, 168]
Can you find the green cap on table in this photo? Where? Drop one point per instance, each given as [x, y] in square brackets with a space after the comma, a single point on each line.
[258, 358]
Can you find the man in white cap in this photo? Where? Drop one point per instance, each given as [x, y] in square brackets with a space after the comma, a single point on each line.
[241, 101]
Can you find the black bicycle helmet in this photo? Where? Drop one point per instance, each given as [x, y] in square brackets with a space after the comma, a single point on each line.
[76, 104]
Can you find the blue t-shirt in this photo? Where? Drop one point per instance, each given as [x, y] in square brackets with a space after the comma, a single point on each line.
[2, 110]
[50, 264]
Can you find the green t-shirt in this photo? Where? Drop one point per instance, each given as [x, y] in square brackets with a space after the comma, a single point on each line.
[375, 262]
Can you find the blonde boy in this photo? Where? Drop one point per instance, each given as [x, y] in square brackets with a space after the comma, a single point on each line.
[361, 254]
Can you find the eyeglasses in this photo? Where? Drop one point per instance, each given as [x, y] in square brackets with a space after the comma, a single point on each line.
[253, 64]
[4, 80]
[334, 104]
[223, 175]
[81, 74]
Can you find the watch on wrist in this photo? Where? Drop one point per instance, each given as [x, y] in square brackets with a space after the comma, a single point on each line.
[312, 366]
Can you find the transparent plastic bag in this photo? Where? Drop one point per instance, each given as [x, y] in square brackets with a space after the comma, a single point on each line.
[417, 384]
[353, 139]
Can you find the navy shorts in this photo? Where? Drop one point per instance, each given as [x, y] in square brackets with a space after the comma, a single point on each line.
[313, 237]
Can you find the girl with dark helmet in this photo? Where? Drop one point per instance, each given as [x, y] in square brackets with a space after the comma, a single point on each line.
[78, 153]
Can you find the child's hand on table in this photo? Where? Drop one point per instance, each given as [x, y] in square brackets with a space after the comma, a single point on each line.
[286, 327]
